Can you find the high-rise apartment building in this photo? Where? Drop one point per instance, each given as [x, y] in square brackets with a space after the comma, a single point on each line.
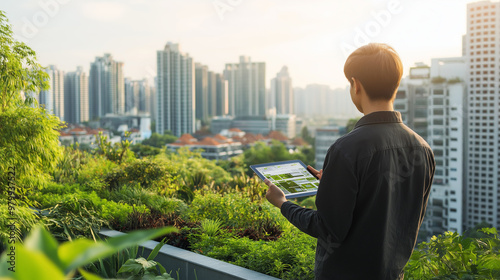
[483, 136]
[247, 87]
[282, 93]
[411, 98]
[106, 87]
[175, 91]
[431, 102]
[76, 96]
[137, 96]
[53, 98]
[446, 133]
[221, 96]
[202, 95]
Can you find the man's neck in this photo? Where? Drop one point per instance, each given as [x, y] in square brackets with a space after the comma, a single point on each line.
[370, 106]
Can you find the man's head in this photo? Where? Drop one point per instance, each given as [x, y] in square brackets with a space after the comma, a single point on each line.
[378, 68]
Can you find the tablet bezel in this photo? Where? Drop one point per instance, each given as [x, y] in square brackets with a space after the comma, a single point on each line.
[290, 195]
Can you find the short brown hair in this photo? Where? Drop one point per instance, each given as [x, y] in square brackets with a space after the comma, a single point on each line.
[378, 68]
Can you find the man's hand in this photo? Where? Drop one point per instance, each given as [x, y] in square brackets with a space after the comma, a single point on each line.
[316, 173]
[274, 194]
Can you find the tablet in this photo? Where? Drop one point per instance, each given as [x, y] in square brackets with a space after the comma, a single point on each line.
[292, 177]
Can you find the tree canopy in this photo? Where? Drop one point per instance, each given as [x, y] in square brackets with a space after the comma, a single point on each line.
[29, 143]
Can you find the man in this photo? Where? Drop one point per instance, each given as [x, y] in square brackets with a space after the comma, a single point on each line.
[374, 184]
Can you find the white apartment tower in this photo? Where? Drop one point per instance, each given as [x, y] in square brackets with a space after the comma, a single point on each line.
[106, 87]
[247, 87]
[483, 143]
[432, 101]
[282, 93]
[175, 91]
[446, 135]
[76, 96]
[53, 98]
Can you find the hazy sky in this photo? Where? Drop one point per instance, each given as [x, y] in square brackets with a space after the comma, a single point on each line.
[310, 37]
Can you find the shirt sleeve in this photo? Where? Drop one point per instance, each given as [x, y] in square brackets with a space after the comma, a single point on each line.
[335, 201]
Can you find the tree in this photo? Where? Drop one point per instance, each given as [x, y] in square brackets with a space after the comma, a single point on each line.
[350, 124]
[29, 143]
[158, 140]
[306, 136]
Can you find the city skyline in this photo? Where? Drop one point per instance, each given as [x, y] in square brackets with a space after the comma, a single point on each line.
[312, 40]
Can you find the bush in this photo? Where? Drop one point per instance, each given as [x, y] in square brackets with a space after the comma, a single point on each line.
[74, 218]
[139, 196]
[451, 256]
[25, 219]
[232, 210]
[290, 257]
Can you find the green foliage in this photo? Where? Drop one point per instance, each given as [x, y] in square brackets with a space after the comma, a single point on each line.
[106, 209]
[116, 153]
[290, 257]
[108, 267]
[141, 150]
[211, 227]
[92, 175]
[70, 164]
[19, 70]
[74, 218]
[140, 196]
[24, 219]
[235, 165]
[307, 136]
[186, 164]
[232, 210]
[451, 256]
[147, 173]
[49, 261]
[29, 141]
[145, 268]
[351, 123]
[159, 141]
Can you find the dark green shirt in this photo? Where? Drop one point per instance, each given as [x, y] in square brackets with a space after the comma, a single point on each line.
[371, 200]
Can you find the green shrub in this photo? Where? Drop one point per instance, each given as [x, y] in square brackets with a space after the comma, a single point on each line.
[24, 220]
[74, 218]
[232, 210]
[136, 195]
[451, 256]
[290, 257]
[95, 171]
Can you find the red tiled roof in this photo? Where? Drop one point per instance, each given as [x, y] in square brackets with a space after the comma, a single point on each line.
[186, 139]
[221, 138]
[208, 141]
[77, 129]
[277, 135]
[234, 129]
[299, 142]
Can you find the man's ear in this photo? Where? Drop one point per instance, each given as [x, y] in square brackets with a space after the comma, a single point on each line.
[356, 84]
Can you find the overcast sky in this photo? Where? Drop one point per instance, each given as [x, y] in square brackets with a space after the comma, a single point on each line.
[311, 37]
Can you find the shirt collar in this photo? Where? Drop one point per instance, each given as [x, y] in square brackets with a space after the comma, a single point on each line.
[380, 117]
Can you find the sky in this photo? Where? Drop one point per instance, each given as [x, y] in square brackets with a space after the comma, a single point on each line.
[312, 38]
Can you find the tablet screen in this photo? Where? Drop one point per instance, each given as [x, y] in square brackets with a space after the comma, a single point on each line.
[292, 177]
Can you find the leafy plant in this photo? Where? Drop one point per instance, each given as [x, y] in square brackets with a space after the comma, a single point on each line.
[142, 268]
[22, 221]
[29, 144]
[49, 261]
[116, 153]
[451, 256]
[211, 227]
[74, 218]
